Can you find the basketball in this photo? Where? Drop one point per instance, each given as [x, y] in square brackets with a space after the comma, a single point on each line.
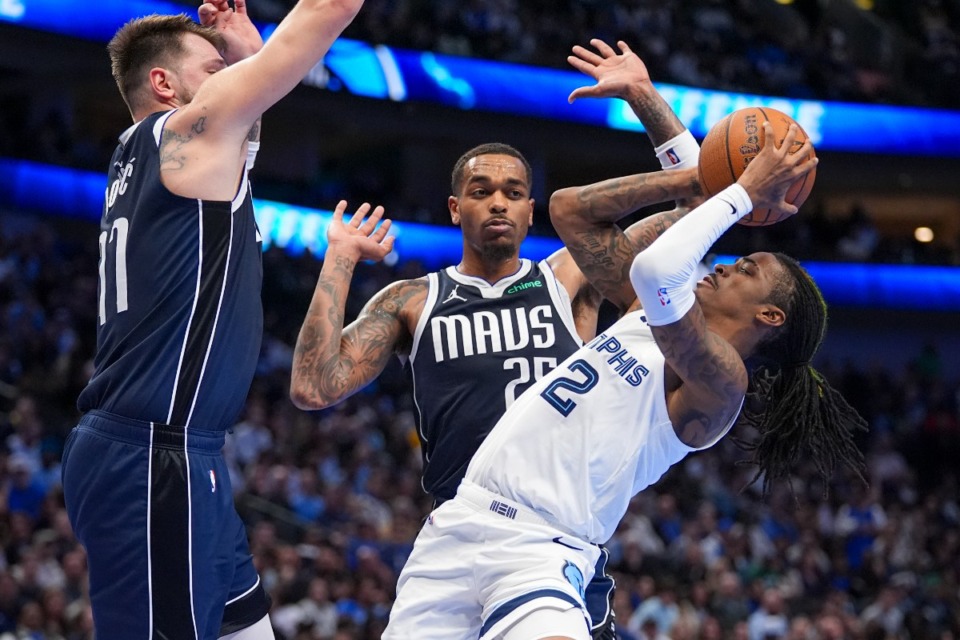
[736, 140]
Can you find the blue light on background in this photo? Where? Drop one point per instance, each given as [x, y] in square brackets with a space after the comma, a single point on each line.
[467, 83]
[79, 194]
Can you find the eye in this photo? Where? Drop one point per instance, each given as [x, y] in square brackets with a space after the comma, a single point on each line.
[479, 192]
[743, 269]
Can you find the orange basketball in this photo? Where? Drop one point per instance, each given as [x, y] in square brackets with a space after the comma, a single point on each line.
[736, 140]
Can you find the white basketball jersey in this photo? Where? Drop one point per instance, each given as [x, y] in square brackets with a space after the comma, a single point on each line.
[578, 445]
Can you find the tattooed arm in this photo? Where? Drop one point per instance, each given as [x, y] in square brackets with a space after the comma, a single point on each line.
[624, 75]
[585, 217]
[586, 220]
[331, 362]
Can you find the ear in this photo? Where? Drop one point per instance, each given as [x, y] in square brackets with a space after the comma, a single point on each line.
[530, 220]
[771, 316]
[453, 204]
[161, 84]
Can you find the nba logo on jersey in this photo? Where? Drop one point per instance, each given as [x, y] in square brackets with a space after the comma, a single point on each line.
[213, 482]
[672, 156]
[664, 297]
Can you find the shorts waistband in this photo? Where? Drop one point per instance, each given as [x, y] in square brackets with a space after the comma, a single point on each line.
[481, 499]
[155, 434]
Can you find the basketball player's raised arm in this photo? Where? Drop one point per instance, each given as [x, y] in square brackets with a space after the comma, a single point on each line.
[207, 133]
[329, 362]
[711, 368]
[585, 217]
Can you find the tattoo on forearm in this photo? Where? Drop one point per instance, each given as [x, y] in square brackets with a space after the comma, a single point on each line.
[657, 118]
[644, 232]
[612, 199]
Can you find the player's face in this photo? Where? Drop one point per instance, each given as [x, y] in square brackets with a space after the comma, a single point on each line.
[494, 208]
[738, 290]
[199, 61]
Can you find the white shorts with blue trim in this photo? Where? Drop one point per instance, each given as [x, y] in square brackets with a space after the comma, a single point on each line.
[480, 564]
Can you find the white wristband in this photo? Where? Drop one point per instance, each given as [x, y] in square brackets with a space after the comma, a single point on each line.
[679, 152]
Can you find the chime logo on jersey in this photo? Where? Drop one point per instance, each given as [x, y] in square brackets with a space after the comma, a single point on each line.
[463, 335]
[517, 288]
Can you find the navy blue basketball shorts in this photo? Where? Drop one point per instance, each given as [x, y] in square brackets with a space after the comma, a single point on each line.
[167, 551]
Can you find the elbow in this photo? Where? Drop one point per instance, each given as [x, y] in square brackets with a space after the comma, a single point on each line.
[305, 399]
[563, 204]
[645, 269]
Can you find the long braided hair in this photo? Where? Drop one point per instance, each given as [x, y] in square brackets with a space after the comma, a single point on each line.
[795, 411]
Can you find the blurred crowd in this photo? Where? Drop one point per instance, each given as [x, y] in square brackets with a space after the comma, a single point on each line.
[865, 51]
[333, 501]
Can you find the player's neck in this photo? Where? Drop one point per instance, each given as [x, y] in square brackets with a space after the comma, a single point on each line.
[490, 270]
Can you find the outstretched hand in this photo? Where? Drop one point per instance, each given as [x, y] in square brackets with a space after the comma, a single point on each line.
[360, 235]
[770, 174]
[617, 74]
[241, 36]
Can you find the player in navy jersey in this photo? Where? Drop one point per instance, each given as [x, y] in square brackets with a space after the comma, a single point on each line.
[180, 322]
[476, 335]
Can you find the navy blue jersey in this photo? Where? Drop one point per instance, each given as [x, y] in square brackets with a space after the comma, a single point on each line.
[477, 347]
[180, 317]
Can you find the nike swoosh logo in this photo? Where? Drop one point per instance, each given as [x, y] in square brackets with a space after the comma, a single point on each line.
[564, 544]
[733, 209]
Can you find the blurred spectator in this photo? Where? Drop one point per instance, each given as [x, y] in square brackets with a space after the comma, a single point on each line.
[768, 622]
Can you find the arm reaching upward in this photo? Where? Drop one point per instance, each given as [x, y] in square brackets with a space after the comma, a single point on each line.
[219, 109]
[586, 220]
[586, 217]
[331, 362]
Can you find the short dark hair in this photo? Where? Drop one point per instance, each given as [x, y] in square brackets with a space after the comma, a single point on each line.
[794, 409]
[146, 42]
[490, 148]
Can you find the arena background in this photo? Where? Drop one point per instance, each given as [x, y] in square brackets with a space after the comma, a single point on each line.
[332, 498]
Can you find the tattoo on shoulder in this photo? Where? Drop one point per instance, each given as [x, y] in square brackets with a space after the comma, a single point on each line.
[172, 143]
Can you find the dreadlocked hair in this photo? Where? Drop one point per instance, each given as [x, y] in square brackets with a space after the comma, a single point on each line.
[795, 411]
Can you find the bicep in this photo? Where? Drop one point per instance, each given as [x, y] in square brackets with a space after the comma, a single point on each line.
[714, 378]
[381, 329]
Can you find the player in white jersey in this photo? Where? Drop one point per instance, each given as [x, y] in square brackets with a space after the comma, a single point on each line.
[477, 334]
[507, 558]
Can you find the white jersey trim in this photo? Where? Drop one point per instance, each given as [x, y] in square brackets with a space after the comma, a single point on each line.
[158, 126]
[433, 292]
[488, 289]
[561, 300]
[216, 317]
[193, 311]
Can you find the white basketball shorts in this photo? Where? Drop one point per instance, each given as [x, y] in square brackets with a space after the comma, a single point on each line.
[480, 564]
